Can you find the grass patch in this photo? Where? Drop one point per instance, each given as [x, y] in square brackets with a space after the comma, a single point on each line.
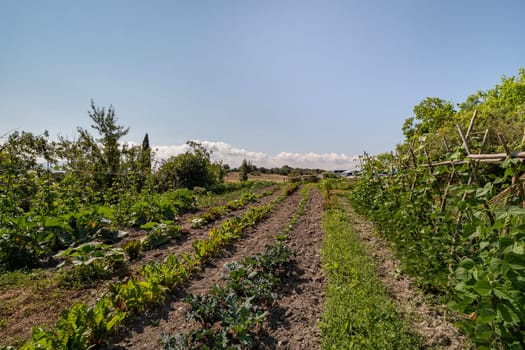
[20, 278]
[359, 313]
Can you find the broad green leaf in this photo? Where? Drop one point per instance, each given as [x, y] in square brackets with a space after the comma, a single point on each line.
[507, 313]
[498, 266]
[483, 332]
[518, 248]
[483, 287]
[516, 210]
[516, 262]
[485, 315]
[467, 264]
[502, 294]
[483, 245]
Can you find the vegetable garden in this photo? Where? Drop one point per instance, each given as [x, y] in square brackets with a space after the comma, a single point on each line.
[102, 248]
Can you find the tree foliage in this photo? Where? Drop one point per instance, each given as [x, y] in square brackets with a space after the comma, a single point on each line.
[244, 170]
[500, 109]
[190, 169]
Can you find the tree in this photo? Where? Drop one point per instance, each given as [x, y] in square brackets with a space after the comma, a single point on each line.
[105, 150]
[110, 133]
[244, 170]
[188, 170]
[430, 115]
[146, 155]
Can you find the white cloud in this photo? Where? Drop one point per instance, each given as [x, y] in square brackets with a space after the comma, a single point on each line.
[234, 156]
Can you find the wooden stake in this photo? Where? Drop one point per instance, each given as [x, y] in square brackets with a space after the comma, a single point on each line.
[463, 137]
[428, 160]
[503, 141]
[484, 142]
[413, 156]
[471, 125]
[446, 144]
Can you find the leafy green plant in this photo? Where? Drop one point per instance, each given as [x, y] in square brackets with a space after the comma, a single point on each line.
[477, 246]
[229, 315]
[136, 295]
[88, 263]
[103, 320]
[160, 233]
[132, 249]
[169, 274]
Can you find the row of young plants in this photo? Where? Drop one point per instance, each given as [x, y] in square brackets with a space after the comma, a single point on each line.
[229, 191]
[461, 247]
[228, 317]
[217, 212]
[359, 312]
[83, 326]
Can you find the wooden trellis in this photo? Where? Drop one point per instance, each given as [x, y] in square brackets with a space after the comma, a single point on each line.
[474, 159]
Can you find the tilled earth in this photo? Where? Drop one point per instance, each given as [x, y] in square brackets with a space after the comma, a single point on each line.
[292, 323]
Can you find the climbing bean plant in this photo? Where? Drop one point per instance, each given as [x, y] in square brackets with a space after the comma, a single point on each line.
[462, 247]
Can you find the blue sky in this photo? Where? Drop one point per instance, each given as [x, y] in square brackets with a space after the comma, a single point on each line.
[277, 80]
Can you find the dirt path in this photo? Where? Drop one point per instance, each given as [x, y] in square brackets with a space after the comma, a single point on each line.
[294, 323]
[431, 322]
[169, 318]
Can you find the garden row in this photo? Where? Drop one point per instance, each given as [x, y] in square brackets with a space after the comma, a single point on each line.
[463, 247]
[228, 317]
[82, 326]
[359, 311]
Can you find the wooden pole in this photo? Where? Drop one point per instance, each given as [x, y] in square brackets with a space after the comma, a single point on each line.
[484, 142]
[464, 139]
[503, 141]
[414, 160]
[446, 144]
[471, 124]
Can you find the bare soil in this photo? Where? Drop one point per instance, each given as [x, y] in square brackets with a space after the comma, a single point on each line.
[431, 320]
[292, 323]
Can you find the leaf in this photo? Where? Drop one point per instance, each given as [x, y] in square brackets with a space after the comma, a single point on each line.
[515, 210]
[507, 313]
[467, 264]
[516, 262]
[483, 332]
[482, 192]
[485, 315]
[483, 245]
[506, 242]
[518, 249]
[502, 294]
[498, 266]
[483, 287]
